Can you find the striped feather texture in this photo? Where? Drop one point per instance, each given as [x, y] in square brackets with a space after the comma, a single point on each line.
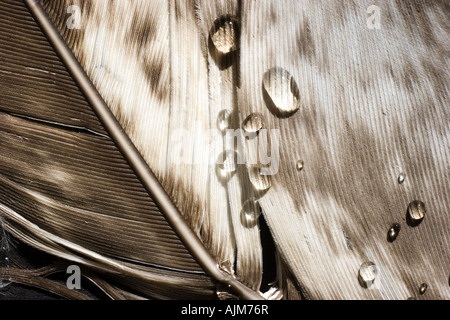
[373, 104]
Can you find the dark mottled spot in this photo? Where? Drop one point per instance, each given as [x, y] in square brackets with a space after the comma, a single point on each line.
[153, 72]
[305, 41]
[363, 82]
[409, 75]
[390, 70]
[273, 15]
[177, 10]
[347, 241]
[438, 79]
[140, 32]
[419, 25]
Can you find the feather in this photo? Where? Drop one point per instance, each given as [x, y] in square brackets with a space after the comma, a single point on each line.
[372, 105]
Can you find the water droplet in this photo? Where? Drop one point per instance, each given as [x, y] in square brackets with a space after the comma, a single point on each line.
[224, 119]
[225, 34]
[401, 178]
[260, 182]
[367, 274]
[416, 212]
[226, 165]
[393, 232]
[423, 288]
[282, 90]
[251, 212]
[299, 165]
[253, 123]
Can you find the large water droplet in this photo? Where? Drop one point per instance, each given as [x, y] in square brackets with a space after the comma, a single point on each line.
[282, 91]
[423, 288]
[367, 274]
[251, 212]
[401, 178]
[299, 165]
[224, 120]
[253, 123]
[416, 213]
[225, 34]
[260, 182]
[393, 232]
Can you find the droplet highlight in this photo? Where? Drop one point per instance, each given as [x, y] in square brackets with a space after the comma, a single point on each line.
[260, 181]
[367, 274]
[393, 232]
[253, 123]
[225, 34]
[423, 288]
[299, 165]
[416, 213]
[401, 178]
[282, 92]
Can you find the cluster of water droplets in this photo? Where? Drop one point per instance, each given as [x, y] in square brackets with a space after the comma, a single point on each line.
[282, 98]
[415, 213]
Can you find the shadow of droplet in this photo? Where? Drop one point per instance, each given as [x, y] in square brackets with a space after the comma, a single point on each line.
[410, 222]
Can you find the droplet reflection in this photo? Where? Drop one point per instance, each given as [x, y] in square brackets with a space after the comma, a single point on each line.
[283, 92]
[367, 274]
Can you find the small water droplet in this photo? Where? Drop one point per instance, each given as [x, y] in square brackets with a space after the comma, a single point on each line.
[423, 288]
[282, 90]
[224, 120]
[226, 165]
[367, 274]
[393, 232]
[253, 123]
[251, 212]
[401, 178]
[225, 34]
[299, 165]
[260, 182]
[416, 212]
